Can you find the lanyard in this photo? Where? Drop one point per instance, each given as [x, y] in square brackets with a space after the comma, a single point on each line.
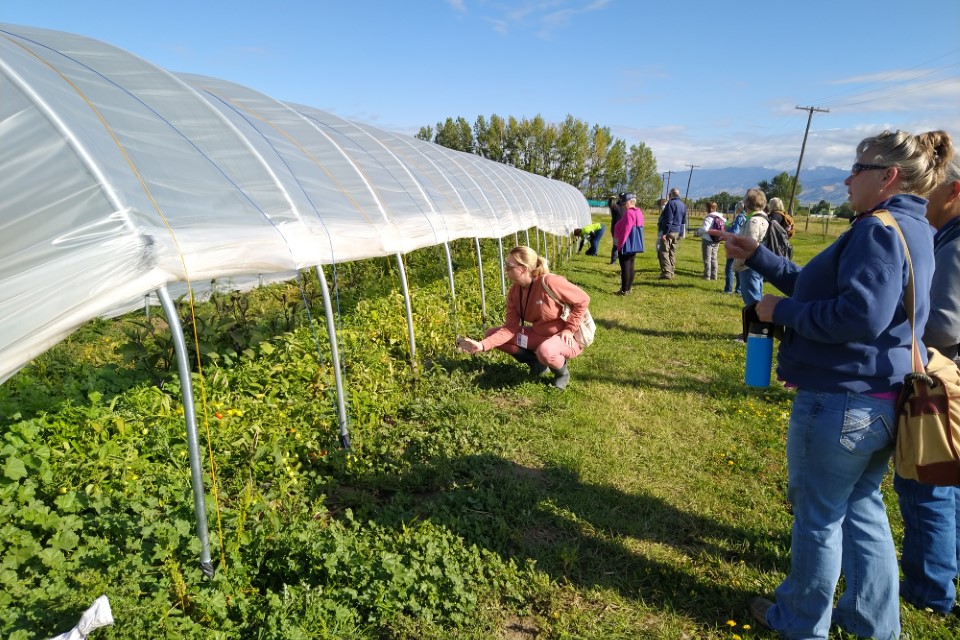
[525, 304]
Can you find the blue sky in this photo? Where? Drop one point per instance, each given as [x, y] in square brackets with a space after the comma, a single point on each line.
[707, 83]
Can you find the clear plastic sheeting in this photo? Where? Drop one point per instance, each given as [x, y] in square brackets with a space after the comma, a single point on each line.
[118, 177]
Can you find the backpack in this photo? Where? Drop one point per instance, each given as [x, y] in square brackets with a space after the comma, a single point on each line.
[788, 223]
[588, 328]
[718, 224]
[777, 240]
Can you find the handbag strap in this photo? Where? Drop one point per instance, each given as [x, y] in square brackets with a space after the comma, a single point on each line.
[909, 295]
[546, 287]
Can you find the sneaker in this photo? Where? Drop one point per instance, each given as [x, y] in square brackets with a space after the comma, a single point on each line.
[622, 293]
[758, 609]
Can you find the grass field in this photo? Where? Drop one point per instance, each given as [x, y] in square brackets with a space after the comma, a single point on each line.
[646, 501]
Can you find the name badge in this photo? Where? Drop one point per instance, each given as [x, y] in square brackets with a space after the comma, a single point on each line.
[522, 340]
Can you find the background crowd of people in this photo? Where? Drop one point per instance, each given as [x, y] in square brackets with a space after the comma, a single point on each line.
[846, 348]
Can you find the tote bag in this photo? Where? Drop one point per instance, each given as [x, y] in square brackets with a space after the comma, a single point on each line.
[634, 243]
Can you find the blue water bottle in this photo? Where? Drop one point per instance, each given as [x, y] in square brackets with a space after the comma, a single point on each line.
[759, 354]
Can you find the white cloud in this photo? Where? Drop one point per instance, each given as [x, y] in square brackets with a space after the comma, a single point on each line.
[543, 17]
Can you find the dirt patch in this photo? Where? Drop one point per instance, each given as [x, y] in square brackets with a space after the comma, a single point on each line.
[517, 628]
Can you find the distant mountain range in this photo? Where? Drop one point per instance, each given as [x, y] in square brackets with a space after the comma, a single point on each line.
[818, 183]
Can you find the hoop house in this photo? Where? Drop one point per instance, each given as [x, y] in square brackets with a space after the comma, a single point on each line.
[119, 178]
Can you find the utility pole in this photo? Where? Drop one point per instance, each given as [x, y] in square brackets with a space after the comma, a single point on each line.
[796, 176]
[666, 191]
[689, 178]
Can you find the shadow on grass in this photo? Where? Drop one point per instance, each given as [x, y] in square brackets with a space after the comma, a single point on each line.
[592, 536]
[490, 374]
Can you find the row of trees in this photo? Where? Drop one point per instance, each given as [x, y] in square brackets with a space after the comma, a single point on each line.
[779, 186]
[587, 157]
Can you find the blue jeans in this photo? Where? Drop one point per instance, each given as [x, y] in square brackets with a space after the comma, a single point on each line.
[838, 450]
[594, 239]
[931, 543]
[731, 276]
[751, 286]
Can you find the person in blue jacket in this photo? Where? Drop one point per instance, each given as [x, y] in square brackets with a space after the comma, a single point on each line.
[671, 227]
[930, 558]
[846, 347]
[731, 276]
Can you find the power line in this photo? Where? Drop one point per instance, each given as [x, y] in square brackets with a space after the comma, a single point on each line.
[858, 91]
[920, 87]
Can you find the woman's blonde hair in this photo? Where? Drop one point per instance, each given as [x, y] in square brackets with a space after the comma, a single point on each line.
[776, 204]
[921, 159]
[537, 265]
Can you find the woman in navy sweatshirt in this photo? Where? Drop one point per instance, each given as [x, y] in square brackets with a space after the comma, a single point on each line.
[846, 348]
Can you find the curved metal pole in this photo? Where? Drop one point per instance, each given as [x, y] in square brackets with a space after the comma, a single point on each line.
[483, 293]
[335, 357]
[406, 301]
[503, 271]
[526, 232]
[516, 239]
[190, 416]
[537, 232]
[453, 290]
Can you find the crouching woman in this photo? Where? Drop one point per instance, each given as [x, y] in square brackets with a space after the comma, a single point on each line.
[534, 332]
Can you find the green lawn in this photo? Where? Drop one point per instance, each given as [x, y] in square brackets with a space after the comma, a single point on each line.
[646, 501]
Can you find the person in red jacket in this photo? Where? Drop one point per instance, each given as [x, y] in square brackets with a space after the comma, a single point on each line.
[534, 332]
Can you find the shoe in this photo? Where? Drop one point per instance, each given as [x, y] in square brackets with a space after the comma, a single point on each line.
[562, 377]
[758, 609]
[622, 293]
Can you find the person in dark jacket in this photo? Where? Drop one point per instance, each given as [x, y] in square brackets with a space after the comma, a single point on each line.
[846, 347]
[672, 227]
[616, 204]
[930, 557]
